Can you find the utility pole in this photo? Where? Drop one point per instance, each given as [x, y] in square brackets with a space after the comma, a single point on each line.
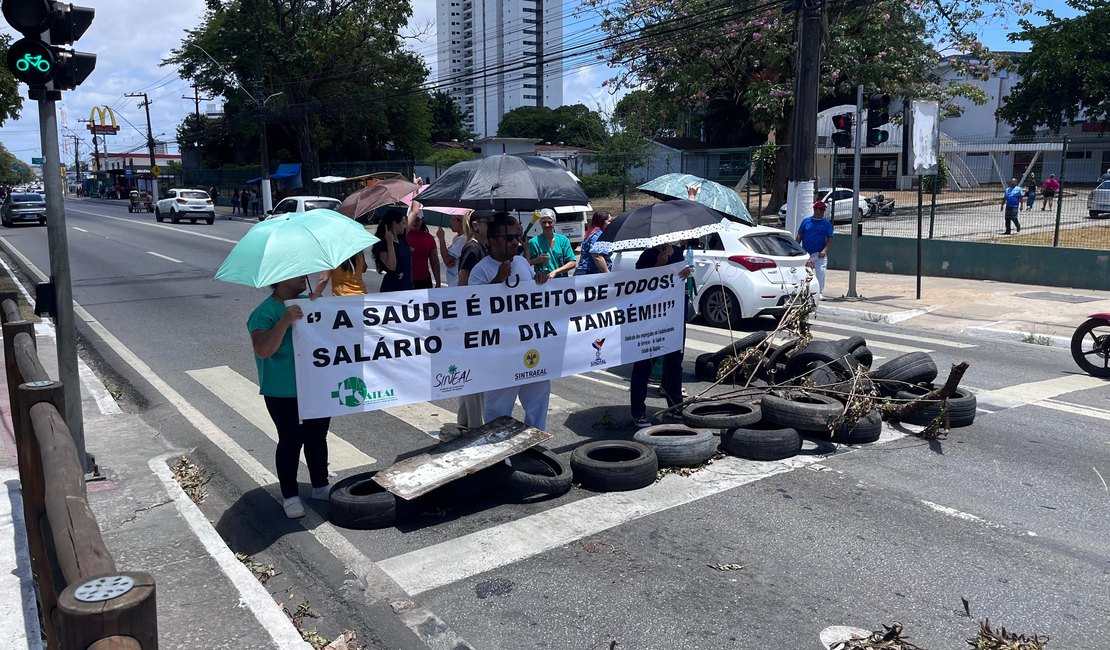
[803, 136]
[77, 159]
[96, 148]
[854, 257]
[196, 98]
[149, 141]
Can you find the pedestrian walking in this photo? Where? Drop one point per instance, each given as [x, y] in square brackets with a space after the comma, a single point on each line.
[589, 262]
[214, 193]
[1030, 194]
[1011, 202]
[270, 327]
[504, 262]
[816, 235]
[425, 261]
[235, 201]
[549, 252]
[1105, 177]
[450, 253]
[1050, 188]
[392, 255]
[471, 413]
[245, 200]
[255, 204]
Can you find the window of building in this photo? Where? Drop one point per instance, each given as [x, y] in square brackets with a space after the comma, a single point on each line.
[1079, 155]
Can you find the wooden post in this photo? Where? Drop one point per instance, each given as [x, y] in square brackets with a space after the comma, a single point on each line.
[9, 312]
[11, 367]
[124, 622]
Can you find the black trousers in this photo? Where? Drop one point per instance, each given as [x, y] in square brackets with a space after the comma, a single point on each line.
[293, 434]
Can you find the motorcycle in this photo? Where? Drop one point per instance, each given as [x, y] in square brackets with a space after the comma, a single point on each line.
[1090, 345]
[879, 204]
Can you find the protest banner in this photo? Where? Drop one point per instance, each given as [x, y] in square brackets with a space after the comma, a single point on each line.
[362, 353]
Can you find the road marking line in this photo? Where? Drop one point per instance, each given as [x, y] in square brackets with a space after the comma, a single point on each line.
[873, 344]
[1038, 391]
[425, 416]
[158, 225]
[604, 383]
[952, 512]
[900, 336]
[165, 257]
[79, 229]
[241, 394]
[1076, 409]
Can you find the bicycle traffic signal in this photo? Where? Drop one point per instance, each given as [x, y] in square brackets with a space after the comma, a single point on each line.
[878, 114]
[42, 55]
[842, 136]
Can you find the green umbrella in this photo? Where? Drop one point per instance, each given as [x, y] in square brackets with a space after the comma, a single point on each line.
[291, 245]
[719, 197]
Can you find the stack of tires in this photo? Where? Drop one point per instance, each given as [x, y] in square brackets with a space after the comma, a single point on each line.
[706, 365]
[909, 377]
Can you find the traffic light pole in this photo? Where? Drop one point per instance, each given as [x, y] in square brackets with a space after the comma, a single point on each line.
[854, 257]
[65, 329]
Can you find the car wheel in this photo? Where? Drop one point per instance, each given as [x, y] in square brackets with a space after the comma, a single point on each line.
[720, 308]
[192, 220]
[211, 220]
[6, 221]
[42, 222]
[721, 414]
[174, 218]
[1093, 213]
[158, 215]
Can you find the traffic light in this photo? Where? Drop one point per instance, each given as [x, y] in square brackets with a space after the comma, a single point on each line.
[842, 136]
[878, 114]
[42, 56]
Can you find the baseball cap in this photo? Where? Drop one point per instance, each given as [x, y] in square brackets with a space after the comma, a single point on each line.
[820, 205]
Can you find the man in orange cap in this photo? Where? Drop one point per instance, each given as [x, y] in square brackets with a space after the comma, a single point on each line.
[815, 235]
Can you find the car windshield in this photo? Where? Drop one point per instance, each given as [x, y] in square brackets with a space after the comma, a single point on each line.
[773, 244]
[192, 195]
[320, 204]
[1105, 186]
[26, 198]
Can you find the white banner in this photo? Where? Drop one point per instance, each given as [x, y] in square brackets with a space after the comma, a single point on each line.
[363, 353]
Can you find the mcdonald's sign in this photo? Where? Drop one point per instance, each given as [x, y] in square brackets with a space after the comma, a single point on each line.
[104, 112]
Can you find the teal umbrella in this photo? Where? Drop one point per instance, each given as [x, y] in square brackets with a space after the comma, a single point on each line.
[721, 198]
[293, 244]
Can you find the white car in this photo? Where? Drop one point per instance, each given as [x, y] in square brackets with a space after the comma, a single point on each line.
[303, 204]
[185, 204]
[1098, 201]
[839, 202]
[742, 272]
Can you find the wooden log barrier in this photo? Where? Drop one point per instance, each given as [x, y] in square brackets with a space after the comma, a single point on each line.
[115, 611]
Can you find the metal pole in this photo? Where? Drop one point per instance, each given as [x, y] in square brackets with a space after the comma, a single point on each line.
[1060, 193]
[933, 204]
[59, 277]
[853, 259]
[920, 198]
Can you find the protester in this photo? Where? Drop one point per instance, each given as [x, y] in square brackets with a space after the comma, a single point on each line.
[460, 225]
[1011, 202]
[235, 201]
[1031, 194]
[588, 262]
[392, 255]
[471, 413]
[245, 200]
[272, 339]
[505, 263]
[255, 203]
[671, 381]
[549, 252]
[815, 235]
[423, 247]
[1049, 190]
[347, 280]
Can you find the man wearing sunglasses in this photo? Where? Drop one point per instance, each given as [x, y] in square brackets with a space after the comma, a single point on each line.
[504, 262]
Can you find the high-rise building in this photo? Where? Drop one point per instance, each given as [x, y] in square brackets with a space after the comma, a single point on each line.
[493, 56]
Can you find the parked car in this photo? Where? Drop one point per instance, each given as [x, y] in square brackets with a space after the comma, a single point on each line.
[1098, 201]
[23, 206]
[303, 204]
[839, 202]
[570, 221]
[741, 272]
[185, 204]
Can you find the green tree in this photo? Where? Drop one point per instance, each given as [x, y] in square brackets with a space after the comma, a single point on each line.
[537, 122]
[447, 119]
[574, 125]
[10, 101]
[346, 83]
[12, 170]
[1066, 73]
[444, 158]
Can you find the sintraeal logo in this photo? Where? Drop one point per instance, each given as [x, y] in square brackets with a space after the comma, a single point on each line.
[598, 360]
[531, 360]
[352, 393]
[452, 380]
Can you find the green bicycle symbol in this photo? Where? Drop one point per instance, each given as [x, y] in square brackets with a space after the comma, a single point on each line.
[24, 64]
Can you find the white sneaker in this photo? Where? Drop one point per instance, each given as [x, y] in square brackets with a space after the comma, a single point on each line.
[820, 297]
[294, 509]
[321, 493]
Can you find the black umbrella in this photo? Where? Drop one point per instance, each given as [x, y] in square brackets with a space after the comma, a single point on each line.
[504, 182]
[657, 224]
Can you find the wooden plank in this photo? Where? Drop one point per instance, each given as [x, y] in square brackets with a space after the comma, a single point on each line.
[480, 448]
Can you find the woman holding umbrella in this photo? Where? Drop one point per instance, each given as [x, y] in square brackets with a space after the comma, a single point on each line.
[392, 255]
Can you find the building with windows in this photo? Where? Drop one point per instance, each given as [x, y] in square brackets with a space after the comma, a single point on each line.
[493, 56]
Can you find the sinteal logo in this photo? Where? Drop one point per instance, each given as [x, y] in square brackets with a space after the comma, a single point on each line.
[353, 393]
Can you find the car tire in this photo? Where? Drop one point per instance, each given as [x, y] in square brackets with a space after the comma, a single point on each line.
[776, 359]
[472, 487]
[902, 371]
[6, 222]
[762, 441]
[962, 406]
[358, 503]
[713, 308]
[705, 367]
[678, 446]
[193, 221]
[864, 356]
[540, 470]
[1093, 213]
[42, 222]
[158, 215]
[824, 353]
[211, 219]
[721, 414]
[173, 217]
[866, 430]
[801, 411]
[614, 465]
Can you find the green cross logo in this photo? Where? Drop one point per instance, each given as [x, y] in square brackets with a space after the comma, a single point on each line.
[351, 392]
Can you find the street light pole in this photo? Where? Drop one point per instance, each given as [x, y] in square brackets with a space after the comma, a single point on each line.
[267, 201]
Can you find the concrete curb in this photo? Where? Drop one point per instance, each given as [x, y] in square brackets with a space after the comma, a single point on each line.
[890, 317]
[1016, 335]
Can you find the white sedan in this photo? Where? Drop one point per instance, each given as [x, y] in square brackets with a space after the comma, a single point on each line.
[303, 204]
[742, 272]
[1098, 201]
[839, 202]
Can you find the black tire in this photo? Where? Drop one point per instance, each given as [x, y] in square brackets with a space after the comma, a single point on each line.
[851, 343]
[735, 348]
[802, 411]
[776, 359]
[540, 470]
[174, 218]
[192, 221]
[762, 441]
[896, 374]
[721, 414]
[211, 219]
[713, 308]
[961, 407]
[130, 208]
[473, 487]
[678, 446]
[1090, 347]
[831, 383]
[863, 356]
[42, 222]
[614, 465]
[705, 367]
[358, 503]
[824, 353]
[158, 215]
[867, 430]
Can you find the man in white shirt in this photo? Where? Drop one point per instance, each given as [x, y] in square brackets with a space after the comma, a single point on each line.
[505, 263]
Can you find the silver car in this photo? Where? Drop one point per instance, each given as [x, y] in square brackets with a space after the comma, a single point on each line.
[1098, 201]
[23, 206]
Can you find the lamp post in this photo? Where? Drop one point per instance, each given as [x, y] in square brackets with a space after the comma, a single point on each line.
[267, 201]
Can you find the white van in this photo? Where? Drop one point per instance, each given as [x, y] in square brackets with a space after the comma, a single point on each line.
[571, 221]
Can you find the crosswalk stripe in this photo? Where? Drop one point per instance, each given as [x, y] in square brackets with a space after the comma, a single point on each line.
[610, 384]
[855, 329]
[874, 344]
[425, 416]
[241, 394]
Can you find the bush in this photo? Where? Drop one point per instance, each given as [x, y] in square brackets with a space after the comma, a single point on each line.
[599, 185]
[940, 179]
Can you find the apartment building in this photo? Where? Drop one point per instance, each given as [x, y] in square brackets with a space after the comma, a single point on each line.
[495, 55]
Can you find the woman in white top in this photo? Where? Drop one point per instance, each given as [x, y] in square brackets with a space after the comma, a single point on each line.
[460, 225]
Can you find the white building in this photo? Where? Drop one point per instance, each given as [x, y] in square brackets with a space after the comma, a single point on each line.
[492, 53]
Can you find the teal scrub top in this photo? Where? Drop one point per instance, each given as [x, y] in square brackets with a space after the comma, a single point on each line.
[276, 374]
[563, 252]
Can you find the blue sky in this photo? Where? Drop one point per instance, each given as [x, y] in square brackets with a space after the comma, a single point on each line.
[130, 37]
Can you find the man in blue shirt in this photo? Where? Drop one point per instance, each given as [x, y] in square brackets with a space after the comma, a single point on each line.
[1011, 202]
[815, 235]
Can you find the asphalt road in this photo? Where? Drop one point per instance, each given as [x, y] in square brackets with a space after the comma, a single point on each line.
[1009, 513]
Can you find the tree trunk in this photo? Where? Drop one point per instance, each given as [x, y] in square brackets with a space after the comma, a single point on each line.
[304, 133]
